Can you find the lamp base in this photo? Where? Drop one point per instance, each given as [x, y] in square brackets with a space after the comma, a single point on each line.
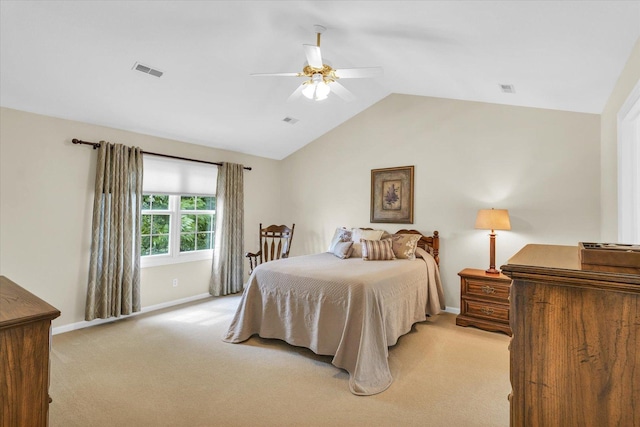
[492, 254]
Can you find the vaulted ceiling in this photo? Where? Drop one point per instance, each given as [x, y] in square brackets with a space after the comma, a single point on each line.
[75, 60]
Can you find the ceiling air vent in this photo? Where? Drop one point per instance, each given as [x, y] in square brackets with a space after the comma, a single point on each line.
[290, 120]
[147, 70]
[507, 88]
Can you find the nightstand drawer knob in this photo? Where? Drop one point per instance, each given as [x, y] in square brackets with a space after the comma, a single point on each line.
[487, 311]
[488, 290]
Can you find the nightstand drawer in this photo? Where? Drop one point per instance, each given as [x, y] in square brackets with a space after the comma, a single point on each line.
[484, 300]
[487, 289]
[486, 310]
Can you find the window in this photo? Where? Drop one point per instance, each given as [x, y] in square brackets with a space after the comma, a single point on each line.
[178, 211]
[197, 220]
[177, 228]
[156, 221]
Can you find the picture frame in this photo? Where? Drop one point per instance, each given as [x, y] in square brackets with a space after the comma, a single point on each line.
[392, 195]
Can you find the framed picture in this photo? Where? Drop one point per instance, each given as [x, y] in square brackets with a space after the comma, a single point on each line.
[392, 195]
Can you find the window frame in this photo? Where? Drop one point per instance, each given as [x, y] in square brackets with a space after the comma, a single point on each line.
[158, 212]
[175, 256]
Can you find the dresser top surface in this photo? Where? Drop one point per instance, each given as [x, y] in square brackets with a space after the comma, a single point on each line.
[17, 305]
[560, 261]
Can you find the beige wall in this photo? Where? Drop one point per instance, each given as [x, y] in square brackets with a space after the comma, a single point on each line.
[46, 196]
[609, 145]
[542, 165]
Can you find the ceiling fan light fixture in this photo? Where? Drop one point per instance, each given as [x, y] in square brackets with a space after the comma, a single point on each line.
[316, 89]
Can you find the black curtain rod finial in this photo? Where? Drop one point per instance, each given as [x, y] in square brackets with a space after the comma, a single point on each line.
[95, 145]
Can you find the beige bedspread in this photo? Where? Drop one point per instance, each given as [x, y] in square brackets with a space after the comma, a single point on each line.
[350, 309]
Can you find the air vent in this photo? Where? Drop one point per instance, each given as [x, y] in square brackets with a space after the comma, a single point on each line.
[507, 88]
[290, 120]
[147, 70]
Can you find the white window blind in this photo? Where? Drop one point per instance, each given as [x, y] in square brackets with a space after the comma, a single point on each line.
[178, 177]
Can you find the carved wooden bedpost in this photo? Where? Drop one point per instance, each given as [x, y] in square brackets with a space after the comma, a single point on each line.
[436, 247]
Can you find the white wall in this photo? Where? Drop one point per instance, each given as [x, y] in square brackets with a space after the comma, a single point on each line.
[541, 165]
[609, 145]
[46, 199]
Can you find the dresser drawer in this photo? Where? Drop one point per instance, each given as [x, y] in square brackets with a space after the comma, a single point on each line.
[486, 310]
[486, 289]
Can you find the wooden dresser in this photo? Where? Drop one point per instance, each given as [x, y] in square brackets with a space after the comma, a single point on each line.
[484, 300]
[575, 350]
[25, 341]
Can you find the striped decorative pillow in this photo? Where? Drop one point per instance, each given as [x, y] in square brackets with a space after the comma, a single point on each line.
[377, 250]
[357, 234]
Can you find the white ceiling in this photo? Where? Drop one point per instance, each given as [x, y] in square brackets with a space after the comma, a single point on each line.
[74, 59]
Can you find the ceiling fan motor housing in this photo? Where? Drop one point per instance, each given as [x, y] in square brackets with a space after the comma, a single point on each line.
[328, 74]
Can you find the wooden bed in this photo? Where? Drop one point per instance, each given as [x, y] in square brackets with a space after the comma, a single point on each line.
[351, 309]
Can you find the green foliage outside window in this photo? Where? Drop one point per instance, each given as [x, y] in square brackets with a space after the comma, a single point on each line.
[197, 203]
[197, 230]
[158, 202]
[197, 223]
[154, 228]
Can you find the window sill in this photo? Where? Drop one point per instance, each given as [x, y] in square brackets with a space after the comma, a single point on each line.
[159, 260]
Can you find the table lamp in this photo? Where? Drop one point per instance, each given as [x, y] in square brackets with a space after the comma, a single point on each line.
[493, 219]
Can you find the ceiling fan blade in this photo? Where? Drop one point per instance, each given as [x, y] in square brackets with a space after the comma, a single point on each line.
[341, 91]
[356, 73]
[296, 93]
[314, 58]
[276, 74]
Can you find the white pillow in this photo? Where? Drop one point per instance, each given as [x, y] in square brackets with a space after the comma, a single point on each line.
[342, 249]
[357, 234]
[340, 235]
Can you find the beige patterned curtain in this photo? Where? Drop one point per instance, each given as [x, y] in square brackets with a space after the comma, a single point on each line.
[228, 261]
[114, 269]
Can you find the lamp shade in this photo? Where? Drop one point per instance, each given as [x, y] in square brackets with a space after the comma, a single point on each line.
[493, 219]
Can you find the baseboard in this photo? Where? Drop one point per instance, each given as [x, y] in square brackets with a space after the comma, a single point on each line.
[453, 310]
[85, 324]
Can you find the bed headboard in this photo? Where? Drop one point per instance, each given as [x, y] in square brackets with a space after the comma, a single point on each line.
[430, 244]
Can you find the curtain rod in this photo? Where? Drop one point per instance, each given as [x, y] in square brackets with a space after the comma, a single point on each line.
[97, 145]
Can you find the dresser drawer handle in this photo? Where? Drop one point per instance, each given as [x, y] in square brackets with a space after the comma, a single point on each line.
[488, 290]
[487, 311]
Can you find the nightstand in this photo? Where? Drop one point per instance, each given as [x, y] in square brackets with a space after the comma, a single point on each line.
[484, 300]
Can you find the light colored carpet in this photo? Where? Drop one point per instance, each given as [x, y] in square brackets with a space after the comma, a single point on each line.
[171, 368]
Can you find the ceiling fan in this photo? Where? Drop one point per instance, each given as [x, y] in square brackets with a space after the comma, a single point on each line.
[322, 78]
